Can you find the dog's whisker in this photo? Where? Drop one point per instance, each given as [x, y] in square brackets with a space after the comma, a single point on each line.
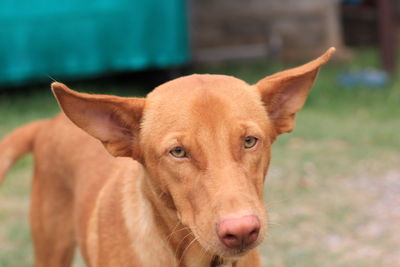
[54, 80]
[271, 203]
[181, 242]
[184, 251]
[179, 245]
[176, 231]
[204, 252]
[172, 232]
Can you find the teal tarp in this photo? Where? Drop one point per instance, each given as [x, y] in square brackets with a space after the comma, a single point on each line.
[71, 38]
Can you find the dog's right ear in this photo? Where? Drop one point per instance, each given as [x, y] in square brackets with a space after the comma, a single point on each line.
[285, 92]
[115, 121]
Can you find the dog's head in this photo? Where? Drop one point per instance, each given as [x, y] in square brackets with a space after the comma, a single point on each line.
[205, 142]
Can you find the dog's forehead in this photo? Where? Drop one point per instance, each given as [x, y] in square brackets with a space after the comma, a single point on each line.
[197, 83]
[203, 100]
[203, 93]
[184, 92]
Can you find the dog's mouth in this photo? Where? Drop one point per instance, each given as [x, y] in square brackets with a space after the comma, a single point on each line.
[232, 254]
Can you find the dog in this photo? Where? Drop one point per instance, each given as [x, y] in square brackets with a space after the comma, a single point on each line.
[182, 182]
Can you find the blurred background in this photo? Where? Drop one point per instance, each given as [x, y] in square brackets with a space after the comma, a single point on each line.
[333, 189]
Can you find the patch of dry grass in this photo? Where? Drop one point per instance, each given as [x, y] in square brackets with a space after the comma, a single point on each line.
[346, 215]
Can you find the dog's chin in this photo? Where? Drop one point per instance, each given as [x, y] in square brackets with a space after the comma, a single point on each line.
[234, 254]
[225, 254]
[228, 257]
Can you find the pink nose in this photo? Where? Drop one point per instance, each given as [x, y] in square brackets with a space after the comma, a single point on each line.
[239, 232]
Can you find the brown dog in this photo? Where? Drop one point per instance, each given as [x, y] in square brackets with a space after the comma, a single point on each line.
[182, 184]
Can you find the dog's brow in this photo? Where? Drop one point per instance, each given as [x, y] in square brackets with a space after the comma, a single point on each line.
[250, 127]
[171, 139]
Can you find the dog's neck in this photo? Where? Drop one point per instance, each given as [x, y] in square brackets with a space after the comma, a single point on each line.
[178, 237]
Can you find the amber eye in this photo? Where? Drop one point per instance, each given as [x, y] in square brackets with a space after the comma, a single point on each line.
[250, 141]
[178, 152]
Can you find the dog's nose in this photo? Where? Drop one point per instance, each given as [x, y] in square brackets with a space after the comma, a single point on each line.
[239, 232]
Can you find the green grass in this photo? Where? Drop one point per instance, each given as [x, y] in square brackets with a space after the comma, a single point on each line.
[333, 185]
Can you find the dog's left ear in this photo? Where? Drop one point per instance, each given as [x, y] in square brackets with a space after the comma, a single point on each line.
[113, 120]
[285, 93]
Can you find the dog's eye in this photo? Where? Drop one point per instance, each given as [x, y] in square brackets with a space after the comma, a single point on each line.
[178, 152]
[250, 142]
